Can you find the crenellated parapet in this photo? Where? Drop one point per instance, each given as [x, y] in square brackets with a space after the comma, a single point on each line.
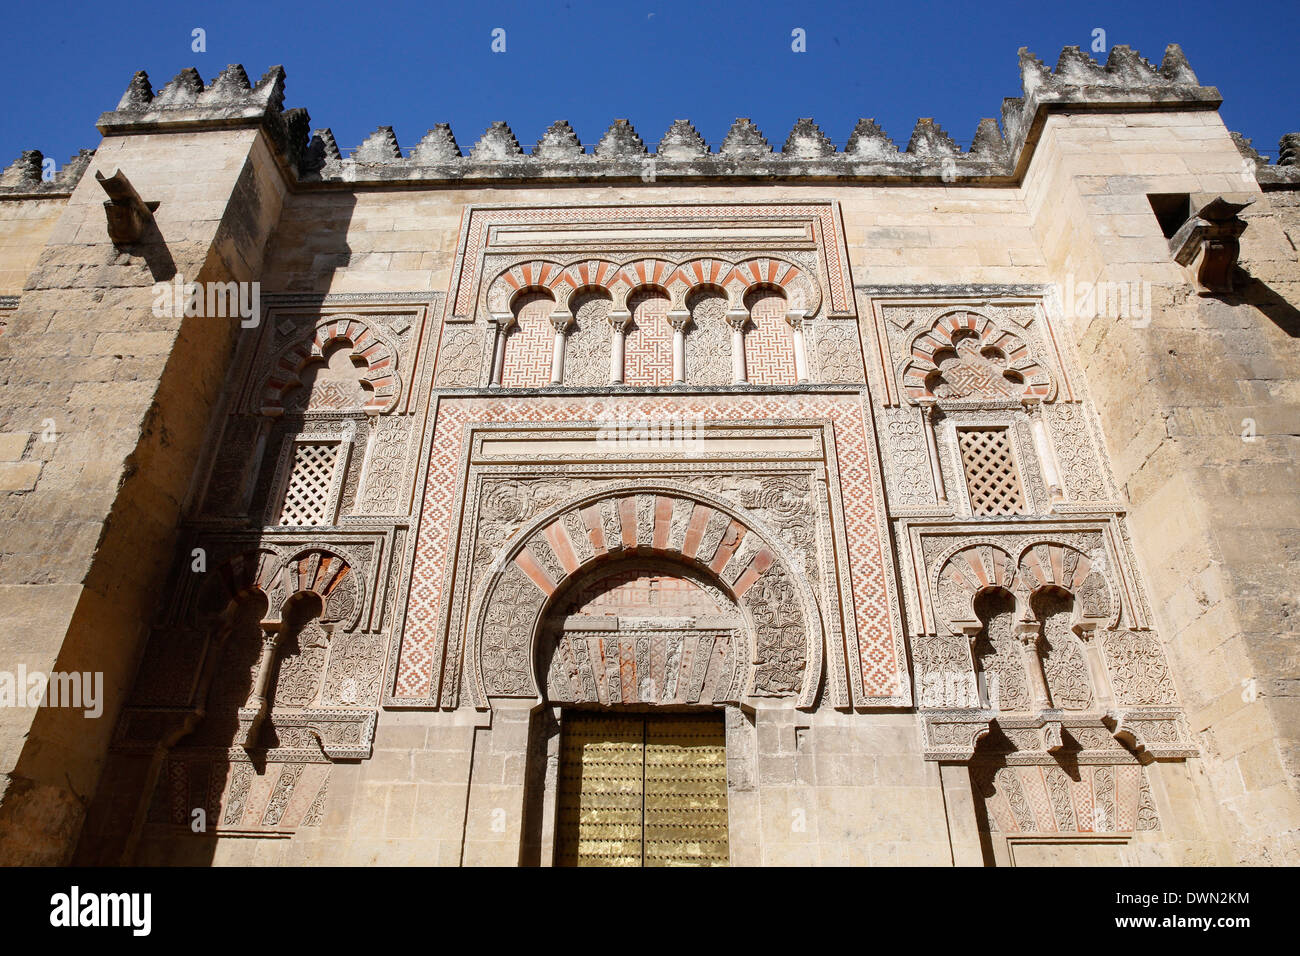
[1126, 81]
[187, 97]
[26, 175]
[230, 100]
[999, 153]
[1285, 174]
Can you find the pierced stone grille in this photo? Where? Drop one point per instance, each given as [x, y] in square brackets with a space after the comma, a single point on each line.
[307, 492]
[991, 478]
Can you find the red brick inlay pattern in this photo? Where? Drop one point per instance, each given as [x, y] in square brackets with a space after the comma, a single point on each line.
[769, 347]
[529, 347]
[291, 367]
[945, 338]
[424, 642]
[477, 222]
[649, 356]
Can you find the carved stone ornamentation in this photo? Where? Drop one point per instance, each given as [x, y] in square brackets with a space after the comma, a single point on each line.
[780, 606]
[460, 360]
[944, 675]
[587, 360]
[773, 604]
[1064, 664]
[301, 667]
[1074, 448]
[966, 356]
[708, 344]
[1138, 669]
[385, 467]
[839, 357]
[1000, 658]
[907, 462]
[510, 618]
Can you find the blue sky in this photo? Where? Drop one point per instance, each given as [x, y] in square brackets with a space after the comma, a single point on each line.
[356, 66]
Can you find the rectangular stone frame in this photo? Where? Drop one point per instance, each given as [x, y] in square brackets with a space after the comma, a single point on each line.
[456, 547]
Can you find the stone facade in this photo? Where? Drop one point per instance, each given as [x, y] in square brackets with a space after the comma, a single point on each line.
[961, 485]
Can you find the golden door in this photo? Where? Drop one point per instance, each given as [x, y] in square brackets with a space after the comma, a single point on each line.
[642, 790]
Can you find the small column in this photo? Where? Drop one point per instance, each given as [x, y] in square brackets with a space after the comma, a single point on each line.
[502, 324]
[972, 633]
[800, 349]
[932, 449]
[737, 319]
[1046, 454]
[560, 321]
[257, 699]
[618, 321]
[1027, 632]
[678, 321]
[1102, 693]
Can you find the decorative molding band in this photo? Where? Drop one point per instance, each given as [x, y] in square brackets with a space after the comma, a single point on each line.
[989, 290]
[327, 299]
[630, 391]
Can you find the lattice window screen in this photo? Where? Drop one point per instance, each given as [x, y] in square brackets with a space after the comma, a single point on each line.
[309, 489]
[991, 478]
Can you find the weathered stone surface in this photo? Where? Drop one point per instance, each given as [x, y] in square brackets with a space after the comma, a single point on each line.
[498, 143]
[406, 481]
[807, 141]
[620, 142]
[379, 147]
[437, 146]
[559, 142]
[869, 141]
[682, 142]
[744, 140]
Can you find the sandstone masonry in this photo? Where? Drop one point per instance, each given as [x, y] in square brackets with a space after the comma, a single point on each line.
[879, 507]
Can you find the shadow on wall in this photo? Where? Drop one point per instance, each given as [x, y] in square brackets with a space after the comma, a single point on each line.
[310, 246]
[1255, 292]
[193, 682]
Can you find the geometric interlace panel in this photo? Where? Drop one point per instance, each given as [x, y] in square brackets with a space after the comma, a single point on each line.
[307, 497]
[991, 477]
[640, 790]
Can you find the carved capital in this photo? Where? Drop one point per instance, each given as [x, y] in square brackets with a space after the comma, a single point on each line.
[271, 634]
[1028, 633]
[561, 321]
[619, 320]
[1085, 630]
[737, 318]
[679, 320]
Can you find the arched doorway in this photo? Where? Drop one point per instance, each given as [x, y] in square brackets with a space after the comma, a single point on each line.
[642, 631]
[636, 651]
[737, 554]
